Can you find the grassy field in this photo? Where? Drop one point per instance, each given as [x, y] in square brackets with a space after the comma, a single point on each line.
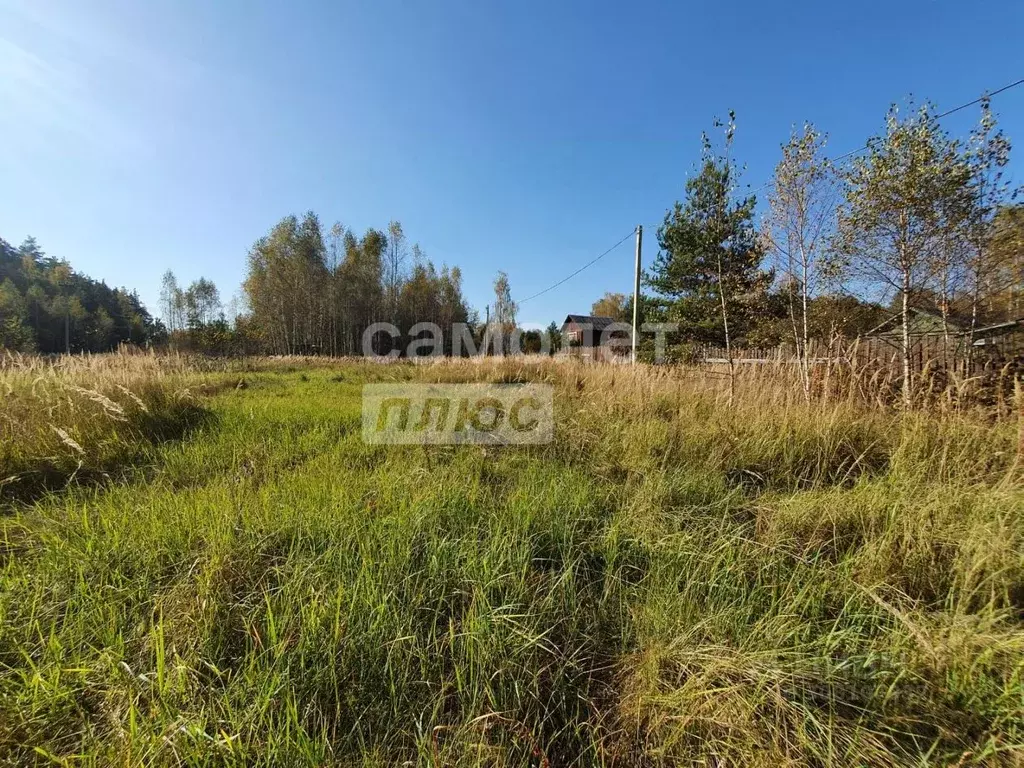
[210, 567]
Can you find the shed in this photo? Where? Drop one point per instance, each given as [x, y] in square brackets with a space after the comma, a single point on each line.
[591, 337]
[586, 330]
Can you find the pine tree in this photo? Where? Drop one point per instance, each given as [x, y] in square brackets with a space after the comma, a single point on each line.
[709, 258]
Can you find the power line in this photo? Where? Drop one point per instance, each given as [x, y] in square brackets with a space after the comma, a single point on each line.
[585, 266]
[767, 184]
[980, 99]
[947, 113]
[867, 145]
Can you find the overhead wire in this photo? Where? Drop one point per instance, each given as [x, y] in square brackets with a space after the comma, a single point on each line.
[867, 145]
[947, 113]
[585, 266]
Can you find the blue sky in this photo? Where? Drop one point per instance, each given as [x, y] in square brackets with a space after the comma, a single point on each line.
[524, 136]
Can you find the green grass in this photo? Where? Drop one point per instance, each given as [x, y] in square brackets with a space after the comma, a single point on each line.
[673, 581]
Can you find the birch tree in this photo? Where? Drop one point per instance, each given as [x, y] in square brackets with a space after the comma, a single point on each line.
[504, 320]
[172, 305]
[801, 218]
[394, 267]
[989, 153]
[891, 220]
[1007, 248]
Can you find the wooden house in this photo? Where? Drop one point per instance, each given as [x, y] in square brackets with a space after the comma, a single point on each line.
[948, 341]
[1002, 342]
[592, 337]
[932, 337]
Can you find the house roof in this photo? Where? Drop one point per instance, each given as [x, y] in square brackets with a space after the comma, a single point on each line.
[990, 333]
[1007, 326]
[597, 323]
[923, 322]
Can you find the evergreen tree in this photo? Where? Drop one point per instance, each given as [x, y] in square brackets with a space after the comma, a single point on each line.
[708, 264]
[47, 307]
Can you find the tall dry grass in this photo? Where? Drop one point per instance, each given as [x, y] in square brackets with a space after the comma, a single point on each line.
[692, 573]
[85, 418]
[824, 583]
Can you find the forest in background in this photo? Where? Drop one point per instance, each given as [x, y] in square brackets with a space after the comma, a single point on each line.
[919, 220]
[46, 306]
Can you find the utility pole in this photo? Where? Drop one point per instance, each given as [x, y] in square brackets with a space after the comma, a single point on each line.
[636, 291]
[486, 340]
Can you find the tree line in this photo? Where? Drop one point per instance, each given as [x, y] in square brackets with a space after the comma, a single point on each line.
[48, 307]
[918, 220]
[314, 294]
[305, 292]
[308, 291]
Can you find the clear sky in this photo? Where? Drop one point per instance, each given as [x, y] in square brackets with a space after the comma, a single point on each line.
[141, 135]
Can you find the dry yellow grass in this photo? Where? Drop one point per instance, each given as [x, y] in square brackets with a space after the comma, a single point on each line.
[692, 573]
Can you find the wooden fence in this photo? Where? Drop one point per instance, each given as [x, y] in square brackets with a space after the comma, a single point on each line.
[934, 351]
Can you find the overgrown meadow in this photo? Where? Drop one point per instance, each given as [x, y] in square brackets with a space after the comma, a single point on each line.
[203, 564]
